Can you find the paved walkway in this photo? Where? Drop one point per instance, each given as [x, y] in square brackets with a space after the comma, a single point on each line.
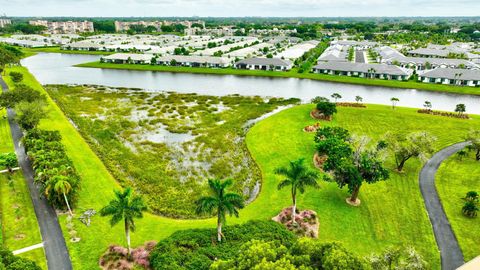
[55, 247]
[23, 250]
[450, 252]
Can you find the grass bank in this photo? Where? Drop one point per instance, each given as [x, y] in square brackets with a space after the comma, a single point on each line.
[18, 223]
[291, 74]
[454, 179]
[392, 212]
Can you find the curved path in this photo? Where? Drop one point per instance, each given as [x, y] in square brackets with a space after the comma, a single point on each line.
[450, 251]
[54, 243]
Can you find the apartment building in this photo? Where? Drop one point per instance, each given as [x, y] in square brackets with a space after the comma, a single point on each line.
[4, 22]
[65, 27]
[124, 26]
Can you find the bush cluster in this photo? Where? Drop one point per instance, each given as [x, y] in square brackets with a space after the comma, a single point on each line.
[193, 249]
[54, 171]
[10, 262]
[16, 76]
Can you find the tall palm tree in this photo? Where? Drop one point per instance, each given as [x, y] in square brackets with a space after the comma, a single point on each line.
[125, 206]
[61, 185]
[220, 203]
[298, 176]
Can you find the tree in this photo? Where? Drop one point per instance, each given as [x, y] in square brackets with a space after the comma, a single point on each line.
[349, 160]
[21, 93]
[126, 206]
[398, 259]
[471, 206]
[394, 101]
[7, 57]
[460, 108]
[327, 108]
[461, 154]
[8, 161]
[61, 185]
[220, 202]
[319, 99]
[427, 105]
[29, 114]
[298, 177]
[16, 76]
[336, 96]
[416, 144]
[473, 136]
[358, 99]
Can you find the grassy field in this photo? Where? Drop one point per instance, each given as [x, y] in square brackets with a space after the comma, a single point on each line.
[19, 227]
[292, 74]
[392, 212]
[167, 141]
[454, 179]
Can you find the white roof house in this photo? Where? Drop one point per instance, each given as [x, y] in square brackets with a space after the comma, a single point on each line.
[128, 58]
[337, 53]
[194, 61]
[363, 70]
[451, 74]
[421, 63]
[264, 64]
[298, 50]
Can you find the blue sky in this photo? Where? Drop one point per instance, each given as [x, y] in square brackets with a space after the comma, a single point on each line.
[223, 8]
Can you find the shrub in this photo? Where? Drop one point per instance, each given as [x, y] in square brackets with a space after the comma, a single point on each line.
[471, 206]
[29, 114]
[193, 249]
[11, 262]
[16, 76]
[8, 161]
[327, 108]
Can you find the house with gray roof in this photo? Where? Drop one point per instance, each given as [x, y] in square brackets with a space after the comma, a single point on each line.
[84, 46]
[193, 61]
[363, 70]
[421, 63]
[127, 58]
[264, 64]
[451, 76]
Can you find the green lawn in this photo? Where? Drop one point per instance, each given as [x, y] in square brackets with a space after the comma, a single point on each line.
[454, 179]
[292, 74]
[19, 227]
[391, 213]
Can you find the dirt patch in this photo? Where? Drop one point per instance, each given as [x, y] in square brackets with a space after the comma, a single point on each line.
[319, 160]
[318, 115]
[357, 202]
[19, 236]
[306, 222]
[312, 128]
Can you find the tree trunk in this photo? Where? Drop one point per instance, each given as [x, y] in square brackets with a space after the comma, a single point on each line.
[219, 231]
[401, 164]
[294, 209]
[477, 155]
[355, 192]
[127, 234]
[68, 205]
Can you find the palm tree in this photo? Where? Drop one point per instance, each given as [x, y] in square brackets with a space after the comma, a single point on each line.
[298, 176]
[220, 202]
[60, 184]
[394, 101]
[125, 206]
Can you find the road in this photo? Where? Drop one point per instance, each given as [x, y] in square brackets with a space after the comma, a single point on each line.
[450, 252]
[54, 243]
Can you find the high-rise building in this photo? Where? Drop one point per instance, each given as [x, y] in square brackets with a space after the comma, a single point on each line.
[65, 27]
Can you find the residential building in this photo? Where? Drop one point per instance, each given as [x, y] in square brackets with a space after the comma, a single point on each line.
[84, 46]
[363, 70]
[193, 61]
[277, 64]
[127, 58]
[65, 27]
[335, 53]
[298, 50]
[125, 26]
[420, 63]
[4, 22]
[451, 76]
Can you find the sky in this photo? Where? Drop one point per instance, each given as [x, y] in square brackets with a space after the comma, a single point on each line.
[239, 8]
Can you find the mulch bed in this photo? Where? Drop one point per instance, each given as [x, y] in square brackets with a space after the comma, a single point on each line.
[316, 114]
[447, 114]
[351, 104]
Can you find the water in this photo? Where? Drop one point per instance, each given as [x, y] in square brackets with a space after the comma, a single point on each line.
[58, 69]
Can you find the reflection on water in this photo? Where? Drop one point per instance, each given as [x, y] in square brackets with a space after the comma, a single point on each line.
[58, 69]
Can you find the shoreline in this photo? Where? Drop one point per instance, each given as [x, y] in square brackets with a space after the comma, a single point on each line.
[277, 74]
